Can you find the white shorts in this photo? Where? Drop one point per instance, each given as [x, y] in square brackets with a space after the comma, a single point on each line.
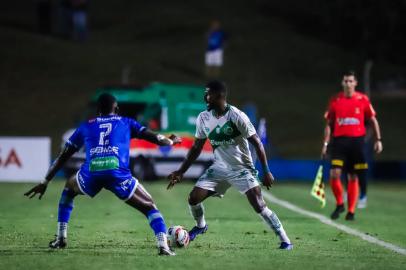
[219, 179]
[214, 58]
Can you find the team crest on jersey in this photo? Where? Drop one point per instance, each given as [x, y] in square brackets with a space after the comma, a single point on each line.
[357, 110]
[228, 131]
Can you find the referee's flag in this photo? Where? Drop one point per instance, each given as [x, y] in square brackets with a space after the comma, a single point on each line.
[318, 187]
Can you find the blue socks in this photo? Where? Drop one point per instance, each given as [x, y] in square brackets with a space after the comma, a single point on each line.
[65, 205]
[155, 218]
[64, 211]
[156, 221]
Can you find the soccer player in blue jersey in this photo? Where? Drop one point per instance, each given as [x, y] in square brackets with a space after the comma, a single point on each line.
[107, 141]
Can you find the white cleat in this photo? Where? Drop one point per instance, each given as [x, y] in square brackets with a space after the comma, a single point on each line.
[362, 203]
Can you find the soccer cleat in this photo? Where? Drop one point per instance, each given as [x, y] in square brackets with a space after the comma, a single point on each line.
[362, 203]
[196, 231]
[350, 216]
[286, 246]
[336, 214]
[165, 252]
[59, 242]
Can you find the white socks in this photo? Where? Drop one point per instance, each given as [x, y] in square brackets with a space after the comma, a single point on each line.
[272, 220]
[62, 229]
[197, 212]
[162, 240]
[267, 215]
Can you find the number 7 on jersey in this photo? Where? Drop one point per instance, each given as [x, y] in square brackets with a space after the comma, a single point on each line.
[104, 134]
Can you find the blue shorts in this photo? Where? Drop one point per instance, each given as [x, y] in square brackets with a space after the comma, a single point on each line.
[122, 187]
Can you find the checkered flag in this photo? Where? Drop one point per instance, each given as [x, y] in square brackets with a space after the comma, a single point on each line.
[318, 191]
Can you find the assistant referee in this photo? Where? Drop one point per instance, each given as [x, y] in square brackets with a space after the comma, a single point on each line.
[347, 115]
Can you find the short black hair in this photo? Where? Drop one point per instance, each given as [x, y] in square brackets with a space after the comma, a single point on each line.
[105, 103]
[217, 86]
[350, 73]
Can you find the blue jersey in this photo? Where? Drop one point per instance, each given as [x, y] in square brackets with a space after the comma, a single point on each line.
[107, 143]
[215, 40]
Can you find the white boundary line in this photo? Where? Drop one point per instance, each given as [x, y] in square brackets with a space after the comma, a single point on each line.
[328, 221]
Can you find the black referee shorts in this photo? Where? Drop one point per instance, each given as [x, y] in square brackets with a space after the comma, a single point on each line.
[348, 153]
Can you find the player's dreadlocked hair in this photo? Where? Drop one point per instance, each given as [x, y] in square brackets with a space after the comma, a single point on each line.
[106, 103]
[217, 87]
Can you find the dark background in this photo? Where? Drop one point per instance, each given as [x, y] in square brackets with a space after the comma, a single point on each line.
[284, 56]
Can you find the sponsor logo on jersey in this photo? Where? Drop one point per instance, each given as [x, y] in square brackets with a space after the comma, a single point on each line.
[104, 150]
[348, 121]
[106, 119]
[220, 143]
[103, 163]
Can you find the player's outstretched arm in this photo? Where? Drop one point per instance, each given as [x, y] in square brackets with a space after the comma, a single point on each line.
[40, 189]
[259, 149]
[159, 139]
[191, 156]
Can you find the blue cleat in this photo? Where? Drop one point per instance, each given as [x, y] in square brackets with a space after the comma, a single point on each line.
[286, 246]
[196, 231]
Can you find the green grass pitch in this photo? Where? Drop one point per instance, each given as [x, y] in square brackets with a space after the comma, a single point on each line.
[105, 233]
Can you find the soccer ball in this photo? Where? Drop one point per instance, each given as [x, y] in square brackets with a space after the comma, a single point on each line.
[178, 236]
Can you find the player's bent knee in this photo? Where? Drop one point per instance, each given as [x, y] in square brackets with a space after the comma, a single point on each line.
[72, 185]
[198, 195]
[193, 200]
[141, 204]
[255, 198]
